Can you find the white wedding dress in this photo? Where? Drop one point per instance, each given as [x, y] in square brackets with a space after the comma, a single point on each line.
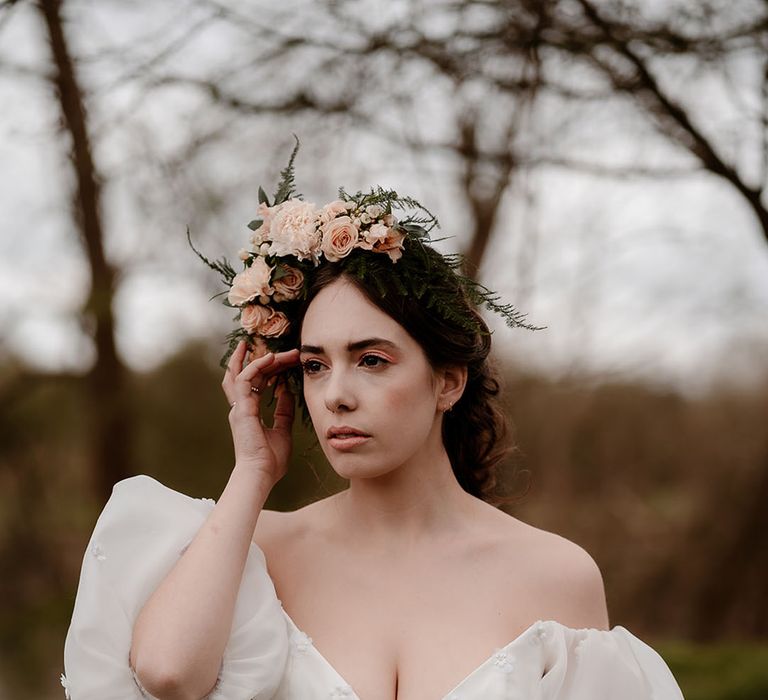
[146, 526]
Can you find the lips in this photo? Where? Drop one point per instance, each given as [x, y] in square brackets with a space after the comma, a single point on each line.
[344, 431]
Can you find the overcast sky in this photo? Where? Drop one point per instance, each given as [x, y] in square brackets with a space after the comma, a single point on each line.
[665, 281]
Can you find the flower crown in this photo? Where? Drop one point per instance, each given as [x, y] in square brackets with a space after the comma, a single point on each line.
[291, 238]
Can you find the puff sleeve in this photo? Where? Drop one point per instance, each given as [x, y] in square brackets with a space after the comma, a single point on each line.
[590, 664]
[138, 538]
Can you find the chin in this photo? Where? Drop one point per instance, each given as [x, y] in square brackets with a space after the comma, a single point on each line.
[349, 467]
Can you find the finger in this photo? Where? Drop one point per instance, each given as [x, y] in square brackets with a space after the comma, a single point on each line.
[285, 408]
[252, 376]
[281, 362]
[234, 366]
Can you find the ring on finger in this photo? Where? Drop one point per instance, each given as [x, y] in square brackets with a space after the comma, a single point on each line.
[256, 389]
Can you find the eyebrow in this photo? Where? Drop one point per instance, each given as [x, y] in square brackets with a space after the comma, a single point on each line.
[351, 347]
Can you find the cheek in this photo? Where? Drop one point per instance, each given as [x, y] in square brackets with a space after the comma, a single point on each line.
[311, 398]
[411, 393]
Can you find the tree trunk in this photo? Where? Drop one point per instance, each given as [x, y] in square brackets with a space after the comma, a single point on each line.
[106, 382]
[483, 205]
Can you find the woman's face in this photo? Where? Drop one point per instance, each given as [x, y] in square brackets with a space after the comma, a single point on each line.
[363, 373]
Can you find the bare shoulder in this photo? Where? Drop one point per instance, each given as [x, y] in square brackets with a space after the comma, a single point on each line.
[275, 529]
[273, 526]
[564, 579]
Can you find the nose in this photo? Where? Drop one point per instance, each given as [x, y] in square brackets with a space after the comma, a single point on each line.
[339, 391]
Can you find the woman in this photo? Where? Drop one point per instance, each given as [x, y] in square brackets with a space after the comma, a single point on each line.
[408, 585]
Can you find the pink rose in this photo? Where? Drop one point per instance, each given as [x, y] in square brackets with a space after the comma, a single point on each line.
[254, 316]
[251, 283]
[275, 325]
[339, 237]
[392, 245]
[331, 211]
[288, 283]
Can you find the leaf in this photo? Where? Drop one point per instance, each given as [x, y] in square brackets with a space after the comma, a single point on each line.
[286, 188]
[263, 199]
[255, 224]
[221, 265]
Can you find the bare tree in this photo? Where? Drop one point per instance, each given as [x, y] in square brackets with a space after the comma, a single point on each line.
[106, 383]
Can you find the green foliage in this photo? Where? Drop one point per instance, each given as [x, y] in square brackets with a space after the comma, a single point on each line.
[222, 265]
[286, 188]
[725, 671]
[183, 439]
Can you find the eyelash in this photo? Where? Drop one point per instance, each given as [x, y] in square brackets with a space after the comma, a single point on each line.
[305, 366]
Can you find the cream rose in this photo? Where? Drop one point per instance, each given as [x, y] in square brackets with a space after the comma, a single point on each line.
[288, 284]
[293, 230]
[331, 211]
[251, 283]
[339, 237]
[254, 316]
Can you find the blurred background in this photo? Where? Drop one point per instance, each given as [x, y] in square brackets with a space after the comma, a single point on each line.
[601, 164]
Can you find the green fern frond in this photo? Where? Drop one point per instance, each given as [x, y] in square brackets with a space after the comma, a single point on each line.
[221, 265]
[286, 188]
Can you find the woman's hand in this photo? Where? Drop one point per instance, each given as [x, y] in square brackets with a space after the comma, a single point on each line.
[257, 446]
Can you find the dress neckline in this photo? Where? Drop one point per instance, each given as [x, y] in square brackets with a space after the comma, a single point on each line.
[538, 627]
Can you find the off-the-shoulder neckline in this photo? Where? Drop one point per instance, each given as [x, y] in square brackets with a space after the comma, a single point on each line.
[534, 628]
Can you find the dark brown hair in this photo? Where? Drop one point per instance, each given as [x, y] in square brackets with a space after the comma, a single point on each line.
[475, 431]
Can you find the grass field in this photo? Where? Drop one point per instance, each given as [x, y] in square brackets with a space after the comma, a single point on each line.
[737, 671]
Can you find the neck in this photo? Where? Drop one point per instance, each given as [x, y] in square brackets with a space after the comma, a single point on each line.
[421, 499]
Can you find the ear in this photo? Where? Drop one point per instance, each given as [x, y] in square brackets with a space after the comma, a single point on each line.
[453, 379]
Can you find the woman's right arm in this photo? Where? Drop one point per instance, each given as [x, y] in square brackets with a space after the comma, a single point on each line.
[180, 635]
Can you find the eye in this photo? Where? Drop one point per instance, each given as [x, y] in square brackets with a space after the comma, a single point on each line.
[379, 361]
[311, 366]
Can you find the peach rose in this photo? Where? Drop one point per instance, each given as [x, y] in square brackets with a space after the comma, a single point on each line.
[251, 283]
[331, 210]
[263, 321]
[339, 237]
[288, 283]
[254, 316]
[392, 245]
[293, 230]
[275, 325]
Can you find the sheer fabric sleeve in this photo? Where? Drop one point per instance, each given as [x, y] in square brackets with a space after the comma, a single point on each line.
[593, 664]
[138, 538]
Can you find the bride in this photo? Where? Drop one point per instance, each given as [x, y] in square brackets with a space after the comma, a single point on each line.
[409, 584]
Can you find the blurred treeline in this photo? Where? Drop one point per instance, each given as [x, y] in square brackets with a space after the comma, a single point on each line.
[157, 114]
[667, 493]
